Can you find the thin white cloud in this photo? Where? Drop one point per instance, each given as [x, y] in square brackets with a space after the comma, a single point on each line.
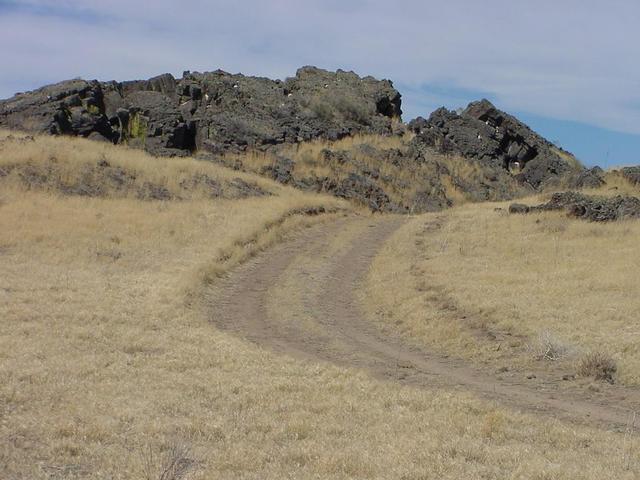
[573, 60]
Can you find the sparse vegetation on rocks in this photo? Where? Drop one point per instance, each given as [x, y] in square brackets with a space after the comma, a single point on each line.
[479, 154]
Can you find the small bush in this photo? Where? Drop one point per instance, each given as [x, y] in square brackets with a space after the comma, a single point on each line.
[493, 425]
[547, 347]
[173, 463]
[352, 110]
[322, 110]
[598, 365]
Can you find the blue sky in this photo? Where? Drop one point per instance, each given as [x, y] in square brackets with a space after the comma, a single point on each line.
[568, 68]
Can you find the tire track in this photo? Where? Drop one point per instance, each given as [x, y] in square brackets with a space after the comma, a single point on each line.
[299, 299]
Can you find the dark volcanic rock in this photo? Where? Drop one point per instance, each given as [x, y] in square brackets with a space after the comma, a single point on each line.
[363, 190]
[632, 174]
[73, 107]
[588, 178]
[519, 208]
[495, 138]
[597, 209]
[280, 171]
[214, 111]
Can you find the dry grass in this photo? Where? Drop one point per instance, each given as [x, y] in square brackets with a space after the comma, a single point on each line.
[106, 372]
[616, 184]
[547, 346]
[77, 166]
[598, 365]
[173, 462]
[572, 161]
[447, 174]
[309, 155]
[480, 274]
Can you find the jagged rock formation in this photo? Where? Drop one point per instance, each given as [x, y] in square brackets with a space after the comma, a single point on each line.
[215, 111]
[587, 207]
[479, 154]
[484, 133]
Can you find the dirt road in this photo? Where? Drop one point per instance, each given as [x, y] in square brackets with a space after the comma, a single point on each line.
[299, 299]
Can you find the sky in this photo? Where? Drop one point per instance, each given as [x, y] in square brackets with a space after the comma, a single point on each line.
[569, 68]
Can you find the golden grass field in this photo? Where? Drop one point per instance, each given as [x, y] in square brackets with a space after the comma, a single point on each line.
[481, 277]
[111, 369]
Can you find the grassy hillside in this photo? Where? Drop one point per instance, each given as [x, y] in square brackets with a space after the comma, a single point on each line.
[483, 284]
[98, 282]
[111, 369]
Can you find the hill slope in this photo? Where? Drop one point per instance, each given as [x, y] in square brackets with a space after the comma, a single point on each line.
[111, 366]
[322, 131]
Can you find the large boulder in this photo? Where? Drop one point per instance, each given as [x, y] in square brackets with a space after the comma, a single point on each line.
[484, 133]
[213, 111]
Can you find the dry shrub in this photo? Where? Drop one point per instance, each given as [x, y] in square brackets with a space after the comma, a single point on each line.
[493, 424]
[553, 224]
[174, 462]
[547, 346]
[599, 365]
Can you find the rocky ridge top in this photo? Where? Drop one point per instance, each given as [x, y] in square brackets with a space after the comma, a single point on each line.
[489, 135]
[213, 111]
[217, 114]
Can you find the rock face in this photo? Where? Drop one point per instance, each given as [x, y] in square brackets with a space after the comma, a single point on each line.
[484, 133]
[215, 111]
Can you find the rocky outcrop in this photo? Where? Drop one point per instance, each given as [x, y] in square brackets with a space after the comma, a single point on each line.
[361, 189]
[632, 174]
[397, 180]
[215, 111]
[497, 139]
[493, 155]
[588, 207]
[588, 178]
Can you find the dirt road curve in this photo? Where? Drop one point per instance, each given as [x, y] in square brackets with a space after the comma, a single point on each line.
[298, 299]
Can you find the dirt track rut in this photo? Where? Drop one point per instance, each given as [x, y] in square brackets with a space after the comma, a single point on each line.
[299, 299]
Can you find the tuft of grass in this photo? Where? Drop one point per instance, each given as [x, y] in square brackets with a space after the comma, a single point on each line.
[547, 346]
[173, 462]
[521, 275]
[599, 365]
